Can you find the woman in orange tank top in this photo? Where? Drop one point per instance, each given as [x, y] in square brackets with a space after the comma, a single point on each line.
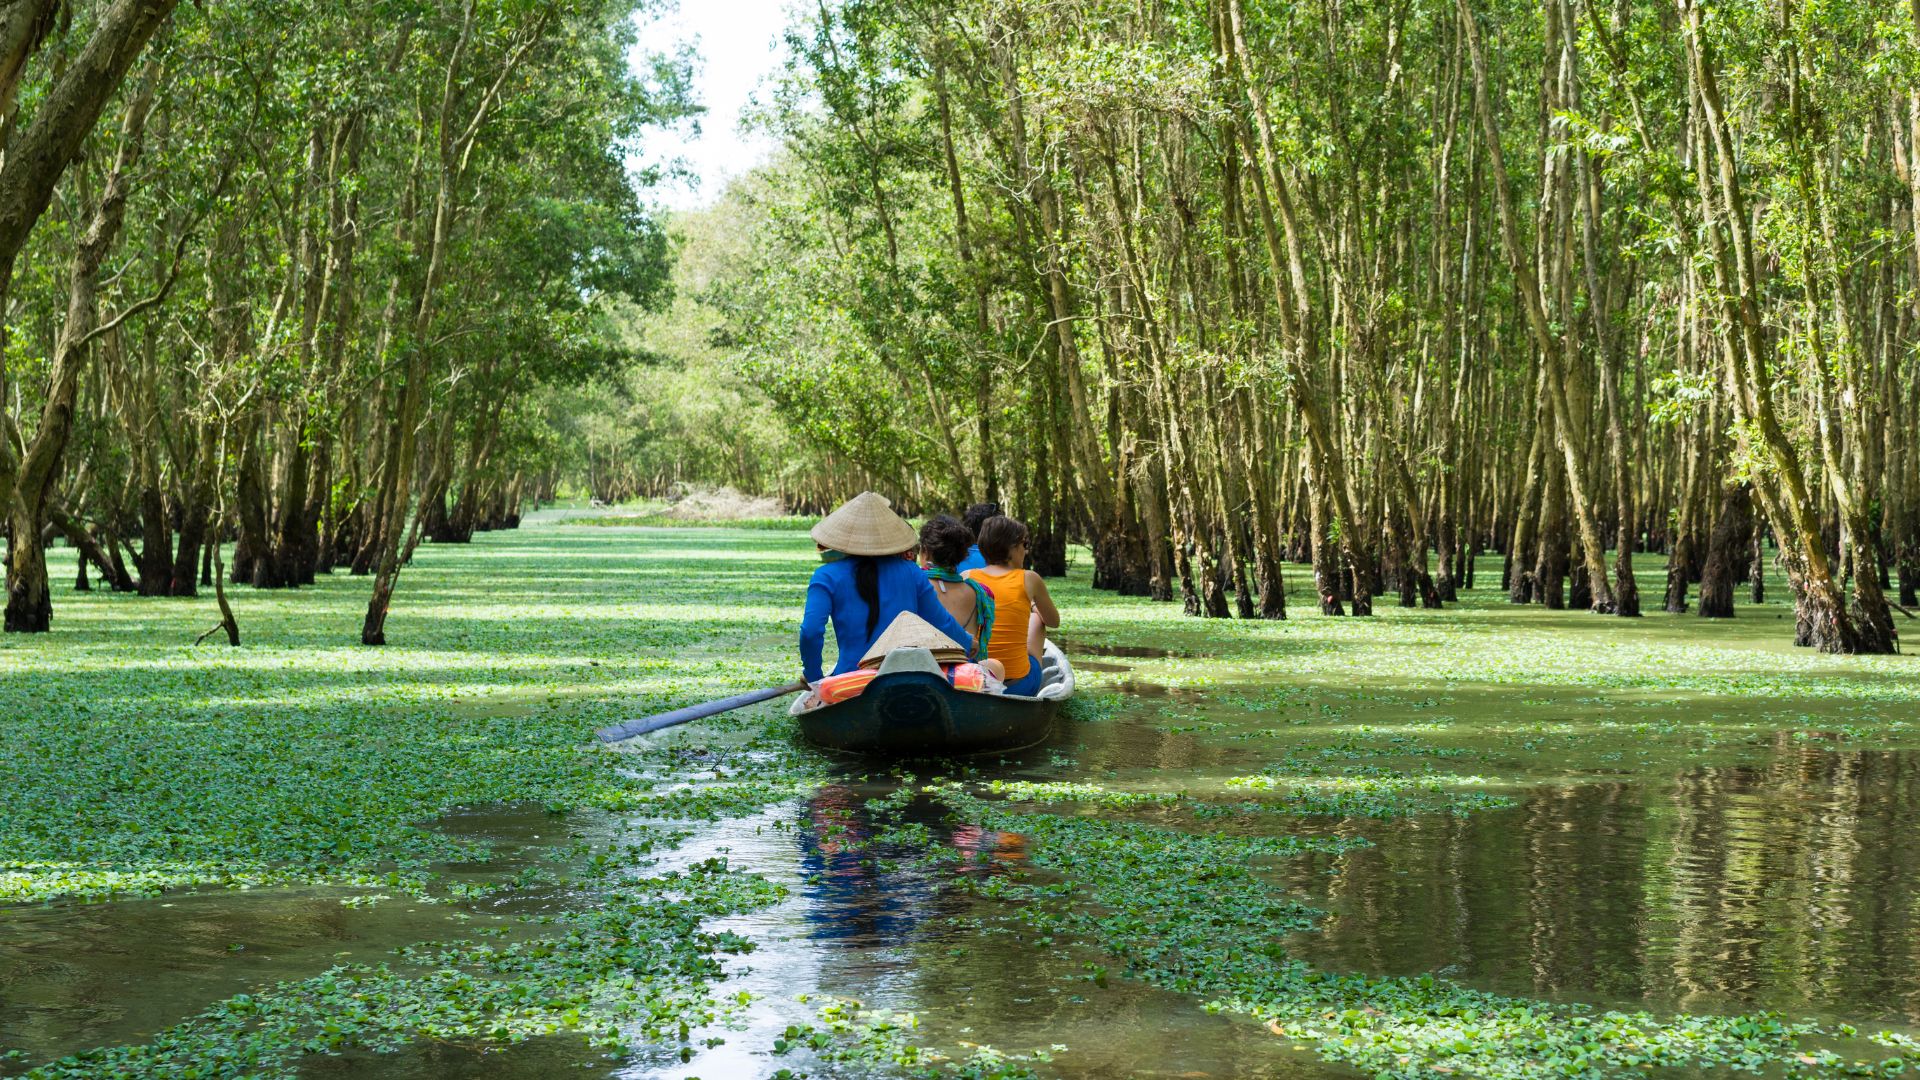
[1022, 609]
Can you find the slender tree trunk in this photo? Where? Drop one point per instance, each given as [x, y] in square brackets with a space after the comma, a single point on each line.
[1523, 555]
[1550, 343]
[455, 149]
[1821, 615]
[1550, 571]
[1294, 306]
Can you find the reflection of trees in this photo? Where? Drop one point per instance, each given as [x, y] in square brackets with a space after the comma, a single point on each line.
[1534, 900]
[1780, 886]
[78, 975]
[1790, 885]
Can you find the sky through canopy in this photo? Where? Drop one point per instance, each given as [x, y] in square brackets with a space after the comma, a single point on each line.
[738, 44]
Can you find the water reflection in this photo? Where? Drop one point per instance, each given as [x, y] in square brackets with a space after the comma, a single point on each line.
[1131, 652]
[76, 975]
[867, 886]
[551, 1056]
[1782, 886]
[877, 914]
[852, 898]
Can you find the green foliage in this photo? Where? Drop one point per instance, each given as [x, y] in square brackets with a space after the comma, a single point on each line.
[633, 968]
[679, 407]
[330, 758]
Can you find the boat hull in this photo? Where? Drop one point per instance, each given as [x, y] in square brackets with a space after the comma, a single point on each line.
[914, 714]
[918, 714]
[912, 711]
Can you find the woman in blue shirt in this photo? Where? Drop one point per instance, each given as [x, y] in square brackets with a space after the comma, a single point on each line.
[865, 583]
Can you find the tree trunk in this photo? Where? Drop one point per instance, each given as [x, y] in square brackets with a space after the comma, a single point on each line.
[156, 545]
[1550, 572]
[1726, 547]
[91, 549]
[1326, 554]
[193, 535]
[38, 157]
[1294, 305]
[456, 140]
[253, 562]
[29, 607]
[1523, 555]
[1821, 620]
[1549, 341]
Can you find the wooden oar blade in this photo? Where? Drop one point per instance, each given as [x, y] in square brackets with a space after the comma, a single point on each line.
[646, 725]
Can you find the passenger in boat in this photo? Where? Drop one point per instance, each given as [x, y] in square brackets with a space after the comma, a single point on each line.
[944, 544]
[1022, 608]
[975, 516]
[864, 584]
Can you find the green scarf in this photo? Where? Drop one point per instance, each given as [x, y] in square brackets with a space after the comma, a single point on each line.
[982, 600]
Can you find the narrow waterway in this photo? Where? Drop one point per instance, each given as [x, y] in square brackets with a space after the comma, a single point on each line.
[1501, 801]
[1778, 885]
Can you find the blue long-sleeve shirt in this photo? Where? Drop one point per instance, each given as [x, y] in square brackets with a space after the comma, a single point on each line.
[831, 595]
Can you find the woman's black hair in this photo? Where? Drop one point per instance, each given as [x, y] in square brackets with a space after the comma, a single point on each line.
[977, 514]
[945, 541]
[866, 582]
[998, 537]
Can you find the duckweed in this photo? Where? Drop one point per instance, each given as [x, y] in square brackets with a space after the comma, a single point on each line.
[138, 764]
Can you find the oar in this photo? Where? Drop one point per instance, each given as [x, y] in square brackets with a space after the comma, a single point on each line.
[648, 724]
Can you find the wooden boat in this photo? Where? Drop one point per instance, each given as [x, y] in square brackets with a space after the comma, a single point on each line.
[909, 710]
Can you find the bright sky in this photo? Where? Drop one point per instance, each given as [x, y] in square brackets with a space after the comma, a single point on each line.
[739, 45]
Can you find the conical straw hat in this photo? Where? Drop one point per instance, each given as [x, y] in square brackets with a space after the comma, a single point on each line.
[865, 525]
[910, 631]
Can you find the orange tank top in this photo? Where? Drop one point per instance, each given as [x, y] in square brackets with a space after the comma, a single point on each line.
[1011, 609]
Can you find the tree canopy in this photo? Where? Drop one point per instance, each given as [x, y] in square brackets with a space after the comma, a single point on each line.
[308, 280]
[1207, 285]
[1212, 285]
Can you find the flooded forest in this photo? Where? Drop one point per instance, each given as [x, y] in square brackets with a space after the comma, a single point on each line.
[1473, 447]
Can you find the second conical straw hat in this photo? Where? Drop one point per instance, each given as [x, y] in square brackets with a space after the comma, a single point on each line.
[865, 525]
[910, 631]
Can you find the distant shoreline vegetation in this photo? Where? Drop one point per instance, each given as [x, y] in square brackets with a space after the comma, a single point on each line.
[698, 506]
[669, 521]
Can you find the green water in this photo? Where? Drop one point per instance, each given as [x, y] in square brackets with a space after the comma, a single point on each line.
[1666, 814]
[1783, 886]
[77, 976]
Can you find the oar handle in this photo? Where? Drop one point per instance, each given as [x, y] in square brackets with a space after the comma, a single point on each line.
[648, 724]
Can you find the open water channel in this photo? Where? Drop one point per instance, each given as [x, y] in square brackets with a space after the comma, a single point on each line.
[1762, 874]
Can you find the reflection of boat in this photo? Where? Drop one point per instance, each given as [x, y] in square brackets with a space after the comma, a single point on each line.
[851, 898]
[909, 710]
[866, 885]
